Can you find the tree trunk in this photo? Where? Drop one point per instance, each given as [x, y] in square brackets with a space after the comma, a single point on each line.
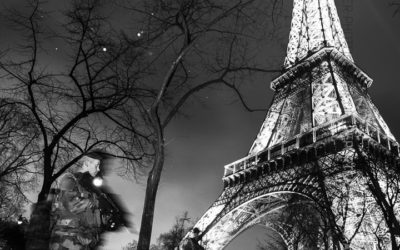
[152, 186]
[380, 197]
[38, 230]
[337, 233]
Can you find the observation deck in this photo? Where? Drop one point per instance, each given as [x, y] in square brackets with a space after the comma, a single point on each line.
[325, 139]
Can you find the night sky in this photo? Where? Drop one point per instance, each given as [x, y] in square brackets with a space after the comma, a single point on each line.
[219, 131]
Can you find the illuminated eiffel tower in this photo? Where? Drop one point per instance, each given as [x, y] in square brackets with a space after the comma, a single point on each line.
[319, 133]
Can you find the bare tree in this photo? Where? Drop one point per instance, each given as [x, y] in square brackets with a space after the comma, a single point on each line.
[171, 239]
[382, 178]
[107, 93]
[17, 153]
[75, 103]
[200, 44]
[133, 246]
[302, 225]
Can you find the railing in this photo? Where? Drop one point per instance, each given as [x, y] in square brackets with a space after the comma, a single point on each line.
[316, 134]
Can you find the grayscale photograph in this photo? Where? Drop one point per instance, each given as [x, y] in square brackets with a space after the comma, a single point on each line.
[199, 125]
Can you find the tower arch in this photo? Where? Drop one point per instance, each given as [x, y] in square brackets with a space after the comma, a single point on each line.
[322, 140]
[273, 210]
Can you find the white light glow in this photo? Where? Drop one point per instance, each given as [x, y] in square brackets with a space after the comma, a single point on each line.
[97, 181]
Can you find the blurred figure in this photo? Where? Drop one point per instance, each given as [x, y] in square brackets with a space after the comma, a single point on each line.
[192, 242]
[82, 210]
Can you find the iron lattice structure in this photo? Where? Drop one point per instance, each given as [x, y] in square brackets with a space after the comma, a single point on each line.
[310, 161]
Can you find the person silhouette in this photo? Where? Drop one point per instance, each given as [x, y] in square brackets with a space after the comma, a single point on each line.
[192, 242]
[75, 214]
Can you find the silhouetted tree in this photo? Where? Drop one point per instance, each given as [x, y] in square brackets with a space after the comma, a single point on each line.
[17, 155]
[133, 246]
[117, 92]
[76, 100]
[171, 239]
[382, 177]
[197, 44]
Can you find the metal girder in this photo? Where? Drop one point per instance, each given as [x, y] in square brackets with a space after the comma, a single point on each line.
[321, 122]
[243, 217]
[342, 187]
[315, 25]
[326, 93]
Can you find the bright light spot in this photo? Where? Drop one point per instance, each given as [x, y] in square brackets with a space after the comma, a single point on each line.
[97, 181]
[56, 48]
[19, 222]
[104, 49]
[140, 33]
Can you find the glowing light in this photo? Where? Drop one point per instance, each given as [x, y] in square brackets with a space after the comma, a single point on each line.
[104, 49]
[97, 181]
[20, 220]
[140, 33]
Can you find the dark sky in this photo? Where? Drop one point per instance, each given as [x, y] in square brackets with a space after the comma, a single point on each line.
[218, 131]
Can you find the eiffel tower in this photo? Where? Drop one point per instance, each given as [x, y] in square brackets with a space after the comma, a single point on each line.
[321, 130]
